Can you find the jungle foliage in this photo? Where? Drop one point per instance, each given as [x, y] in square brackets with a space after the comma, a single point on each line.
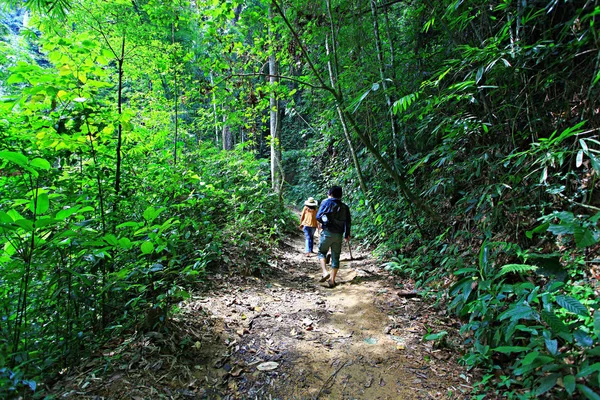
[135, 149]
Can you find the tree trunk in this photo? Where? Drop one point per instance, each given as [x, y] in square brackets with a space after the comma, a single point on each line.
[226, 138]
[274, 108]
[176, 95]
[359, 174]
[409, 196]
[388, 100]
[120, 128]
[214, 101]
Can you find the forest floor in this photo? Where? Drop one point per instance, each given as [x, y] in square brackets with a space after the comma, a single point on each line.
[287, 336]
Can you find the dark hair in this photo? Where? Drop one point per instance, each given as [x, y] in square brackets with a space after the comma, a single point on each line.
[312, 207]
[336, 192]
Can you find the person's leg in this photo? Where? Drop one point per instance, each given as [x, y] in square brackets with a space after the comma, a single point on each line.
[323, 249]
[325, 274]
[311, 242]
[307, 240]
[334, 272]
[336, 251]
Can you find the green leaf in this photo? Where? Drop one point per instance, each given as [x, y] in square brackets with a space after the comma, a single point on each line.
[587, 392]
[569, 383]
[465, 285]
[570, 131]
[530, 358]
[125, 243]
[111, 239]
[552, 346]
[83, 278]
[583, 338]
[554, 322]
[587, 371]
[358, 101]
[156, 267]
[595, 162]
[6, 219]
[520, 311]
[465, 271]
[25, 224]
[435, 336]
[17, 158]
[403, 103]
[519, 268]
[151, 213]
[45, 221]
[43, 203]
[597, 323]
[66, 213]
[483, 255]
[572, 305]
[546, 383]
[147, 247]
[584, 237]
[40, 163]
[596, 79]
[538, 229]
[593, 352]
[127, 224]
[561, 229]
[511, 349]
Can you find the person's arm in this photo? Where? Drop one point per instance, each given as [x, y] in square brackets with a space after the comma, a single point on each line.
[321, 211]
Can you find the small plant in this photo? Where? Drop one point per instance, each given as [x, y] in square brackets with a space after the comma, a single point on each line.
[439, 338]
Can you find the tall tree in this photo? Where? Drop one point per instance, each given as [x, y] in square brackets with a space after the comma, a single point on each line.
[274, 126]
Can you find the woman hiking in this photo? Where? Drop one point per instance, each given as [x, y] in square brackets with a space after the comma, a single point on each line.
[309, 224]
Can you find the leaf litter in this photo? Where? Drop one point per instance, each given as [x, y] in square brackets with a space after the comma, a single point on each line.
[285, 336]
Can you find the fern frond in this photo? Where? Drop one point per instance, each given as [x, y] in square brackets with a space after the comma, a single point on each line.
[519, 268]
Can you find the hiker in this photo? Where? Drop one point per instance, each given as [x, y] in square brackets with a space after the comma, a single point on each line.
[309, 224]
[334, 217]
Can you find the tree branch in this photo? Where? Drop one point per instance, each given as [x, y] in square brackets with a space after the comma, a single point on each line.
[304, 52]
[278, 77]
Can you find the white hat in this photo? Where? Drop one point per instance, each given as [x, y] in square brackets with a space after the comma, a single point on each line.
[311, 202]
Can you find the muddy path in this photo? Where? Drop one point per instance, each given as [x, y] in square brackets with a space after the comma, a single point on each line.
[287, 336]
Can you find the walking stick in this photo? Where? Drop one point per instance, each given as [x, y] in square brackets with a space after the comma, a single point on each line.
[350, 250]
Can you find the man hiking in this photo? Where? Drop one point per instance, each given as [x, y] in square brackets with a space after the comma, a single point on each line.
[334, 217]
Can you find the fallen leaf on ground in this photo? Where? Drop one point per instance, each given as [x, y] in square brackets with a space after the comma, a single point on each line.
[267, 366]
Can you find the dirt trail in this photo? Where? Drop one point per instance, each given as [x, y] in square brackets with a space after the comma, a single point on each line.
[359, 340]
[287, 336]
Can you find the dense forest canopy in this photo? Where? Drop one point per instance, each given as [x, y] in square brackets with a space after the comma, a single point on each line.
[145, 144]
